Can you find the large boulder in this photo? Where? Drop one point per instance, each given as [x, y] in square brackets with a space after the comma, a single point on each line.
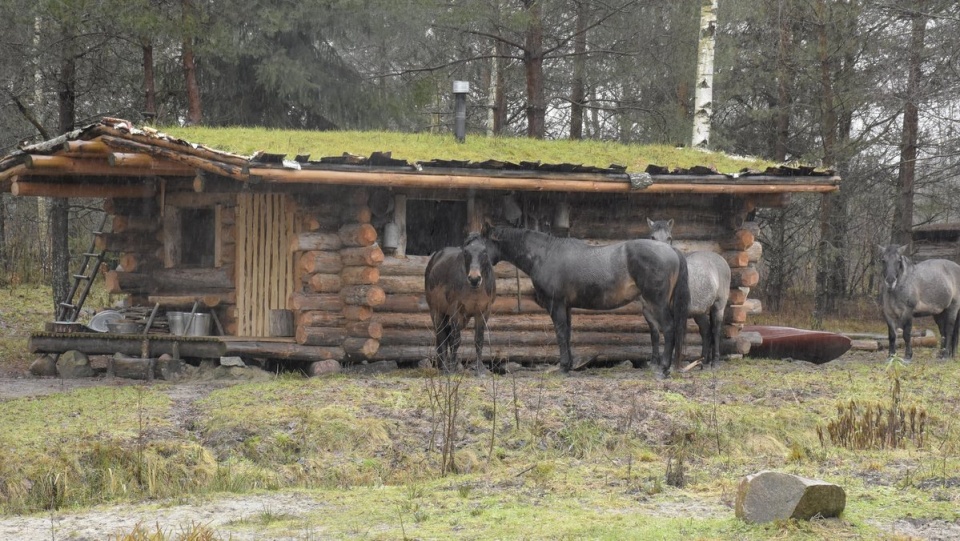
[44, 366]
[768, 495]
[74, 364]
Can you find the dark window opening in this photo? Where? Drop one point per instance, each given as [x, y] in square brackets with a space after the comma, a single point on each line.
[432, 225]
[198, 234]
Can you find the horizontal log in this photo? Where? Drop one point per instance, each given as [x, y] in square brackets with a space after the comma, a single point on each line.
[315, 318]
[326, 302]
[740, 240]
[360, 348]
[753, 306]
[323, 283]
[597, 321]
[364, 329]
[355, 276]
[621, 227]
[737, 296]
[755, 252]
[414, 284]
[23, 187]
[86, 147]
[320, 222]
[96, 344]
[370, 256]
[744, 277]
[307, 241]
[364, 295]
[357, 313]
[283, 350]
[322, 261]
[357, 235]
[702, 184]
[320, 336]
[65, 165]
[736, 259]
[171, 280]
[735, 314]
[411, 265]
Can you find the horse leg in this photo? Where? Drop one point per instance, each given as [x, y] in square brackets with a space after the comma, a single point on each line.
[891, 335]
[716, 329]
[941, 321]
[454, 364]
[654, 324]
[442, 337]
[560, 314]
[907, 330]
[703, 324]
[480, 326]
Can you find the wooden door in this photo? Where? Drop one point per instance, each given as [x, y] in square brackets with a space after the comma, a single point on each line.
[265, 272]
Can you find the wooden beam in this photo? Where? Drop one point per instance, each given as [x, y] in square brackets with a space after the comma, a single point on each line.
[85, 147]
[129, 159]
[178, 155]
[662, 183]
[22, 188]
[63, 165]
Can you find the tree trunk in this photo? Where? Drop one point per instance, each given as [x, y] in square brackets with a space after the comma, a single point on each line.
[59, 208]
[577, 93]
[703, 93]
[500, 94]
[533, 69]
[784, 80]
[194, 112]
[149, 83]
[903, 210]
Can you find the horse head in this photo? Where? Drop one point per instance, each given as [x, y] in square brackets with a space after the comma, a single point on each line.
[661, 230]
[476, 258]
[894, 263]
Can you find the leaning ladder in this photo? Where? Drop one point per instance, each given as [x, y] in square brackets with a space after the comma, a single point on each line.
[68, 309]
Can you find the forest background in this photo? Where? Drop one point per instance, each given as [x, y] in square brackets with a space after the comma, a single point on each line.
[870, 88]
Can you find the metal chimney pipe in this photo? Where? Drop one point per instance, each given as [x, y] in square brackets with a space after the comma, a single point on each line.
[460, 91]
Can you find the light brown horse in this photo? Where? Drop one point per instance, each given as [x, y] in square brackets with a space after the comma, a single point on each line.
[460, 284]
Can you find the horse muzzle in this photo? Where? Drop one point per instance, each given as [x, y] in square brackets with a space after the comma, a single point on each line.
[474, 280]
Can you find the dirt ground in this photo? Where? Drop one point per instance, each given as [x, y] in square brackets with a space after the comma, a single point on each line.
[105, 521]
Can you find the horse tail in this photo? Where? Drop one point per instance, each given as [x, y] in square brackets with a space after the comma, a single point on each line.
[956, 334]
[680, 308]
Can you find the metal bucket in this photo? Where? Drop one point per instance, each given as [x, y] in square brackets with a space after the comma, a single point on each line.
[176, 322]
[199, 325]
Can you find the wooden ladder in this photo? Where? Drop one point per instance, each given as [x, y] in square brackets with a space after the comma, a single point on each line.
[69, 310]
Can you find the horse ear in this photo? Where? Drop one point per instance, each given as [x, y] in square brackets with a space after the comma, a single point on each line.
[649, 222]
[670, 223]
[901, 250]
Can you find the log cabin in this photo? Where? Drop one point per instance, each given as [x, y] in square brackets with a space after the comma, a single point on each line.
[302, 261]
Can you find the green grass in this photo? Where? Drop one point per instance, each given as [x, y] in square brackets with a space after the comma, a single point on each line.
[425, 147]
[544, 457]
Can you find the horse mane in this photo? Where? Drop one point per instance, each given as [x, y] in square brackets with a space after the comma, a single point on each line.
[473, 236]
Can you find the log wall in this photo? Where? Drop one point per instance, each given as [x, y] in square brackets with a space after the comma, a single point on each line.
[352, 303]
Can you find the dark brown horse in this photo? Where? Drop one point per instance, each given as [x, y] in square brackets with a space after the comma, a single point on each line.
[569, 273]
[460, 284]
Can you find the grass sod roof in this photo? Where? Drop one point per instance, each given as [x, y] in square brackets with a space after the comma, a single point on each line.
[424, 147]
[395, 160]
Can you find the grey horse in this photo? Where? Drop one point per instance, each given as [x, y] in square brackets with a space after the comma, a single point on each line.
[928, 288]
[709, 277]
[568, 273]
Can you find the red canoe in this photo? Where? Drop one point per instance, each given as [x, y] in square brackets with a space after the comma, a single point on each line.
[782, 342]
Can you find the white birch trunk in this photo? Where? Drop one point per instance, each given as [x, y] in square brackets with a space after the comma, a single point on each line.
[703, 97]
[492, 94]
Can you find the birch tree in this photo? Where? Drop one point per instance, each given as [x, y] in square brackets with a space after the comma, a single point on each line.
[703, 95]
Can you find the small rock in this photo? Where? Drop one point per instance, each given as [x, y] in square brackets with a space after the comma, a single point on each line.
[232, 361]
[323, 368]
[768, 495]
[44, 366]
[74, 364]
